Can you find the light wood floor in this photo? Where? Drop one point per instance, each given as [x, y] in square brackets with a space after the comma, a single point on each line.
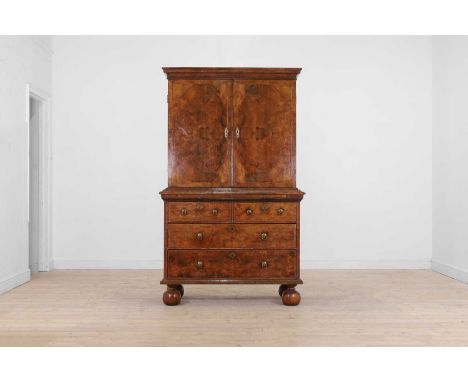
[124, 308]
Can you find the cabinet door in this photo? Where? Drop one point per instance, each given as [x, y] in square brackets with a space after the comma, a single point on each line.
[199, 152]
[264, 149]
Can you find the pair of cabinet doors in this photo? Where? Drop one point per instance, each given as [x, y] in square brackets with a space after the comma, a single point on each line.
[232, 133]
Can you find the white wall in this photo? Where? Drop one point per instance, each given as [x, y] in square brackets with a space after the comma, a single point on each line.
[22, 60]
[450, 156]
[363, 141]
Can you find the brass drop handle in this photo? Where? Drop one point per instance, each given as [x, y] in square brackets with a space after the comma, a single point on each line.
[215, 212]
[264, 264]
[199, 264]
[226, 133]
[248, 211]
[264, 235]
[232, 255]
[200, 236]
[237, 133]
[280, 211]
[184, 211]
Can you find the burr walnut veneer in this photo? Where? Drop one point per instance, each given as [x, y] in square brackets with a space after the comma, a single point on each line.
[232, 206]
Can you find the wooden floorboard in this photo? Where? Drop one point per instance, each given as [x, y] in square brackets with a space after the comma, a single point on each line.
[338, 308]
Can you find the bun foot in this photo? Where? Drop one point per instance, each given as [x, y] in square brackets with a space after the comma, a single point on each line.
[171, 297]
[291, 297]
[179, 287]
[283, 287]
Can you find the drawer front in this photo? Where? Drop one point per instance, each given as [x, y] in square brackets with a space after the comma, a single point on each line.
[258, 236]
[209, 212]
[258, 212]
[259, 264]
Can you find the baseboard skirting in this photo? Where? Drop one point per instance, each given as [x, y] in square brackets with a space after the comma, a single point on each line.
[305, 264]
[365, 264]
[11, 282]
[106, 264]
[457, 273]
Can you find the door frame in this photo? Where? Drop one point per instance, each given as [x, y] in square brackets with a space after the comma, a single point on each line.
[45, 178]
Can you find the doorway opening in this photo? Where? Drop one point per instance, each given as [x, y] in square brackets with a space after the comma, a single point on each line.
[38, 180]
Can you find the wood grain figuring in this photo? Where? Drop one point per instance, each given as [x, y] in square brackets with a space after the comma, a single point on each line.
[258, 212]
[338, 308]
[199, 212]
[199, 153]
[219, 236]
[220, 264]
[264, 152]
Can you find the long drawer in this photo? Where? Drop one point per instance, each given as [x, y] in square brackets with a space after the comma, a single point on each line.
[259, 264]
[265, 212]
[213, 236]
[199, 212]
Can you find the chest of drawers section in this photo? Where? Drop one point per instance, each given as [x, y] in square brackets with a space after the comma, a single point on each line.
[231, 242]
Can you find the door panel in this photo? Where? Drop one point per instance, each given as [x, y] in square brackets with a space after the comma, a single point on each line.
[264, 151]
[199, 152]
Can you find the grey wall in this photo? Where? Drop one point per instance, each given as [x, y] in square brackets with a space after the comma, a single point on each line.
[450, 156]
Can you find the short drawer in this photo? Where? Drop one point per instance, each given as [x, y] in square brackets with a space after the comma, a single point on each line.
[209, 212]
[258, 212]
[259, 264]
[258, 236]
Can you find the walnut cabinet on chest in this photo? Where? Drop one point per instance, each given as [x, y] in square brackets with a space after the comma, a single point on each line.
[231, 208]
